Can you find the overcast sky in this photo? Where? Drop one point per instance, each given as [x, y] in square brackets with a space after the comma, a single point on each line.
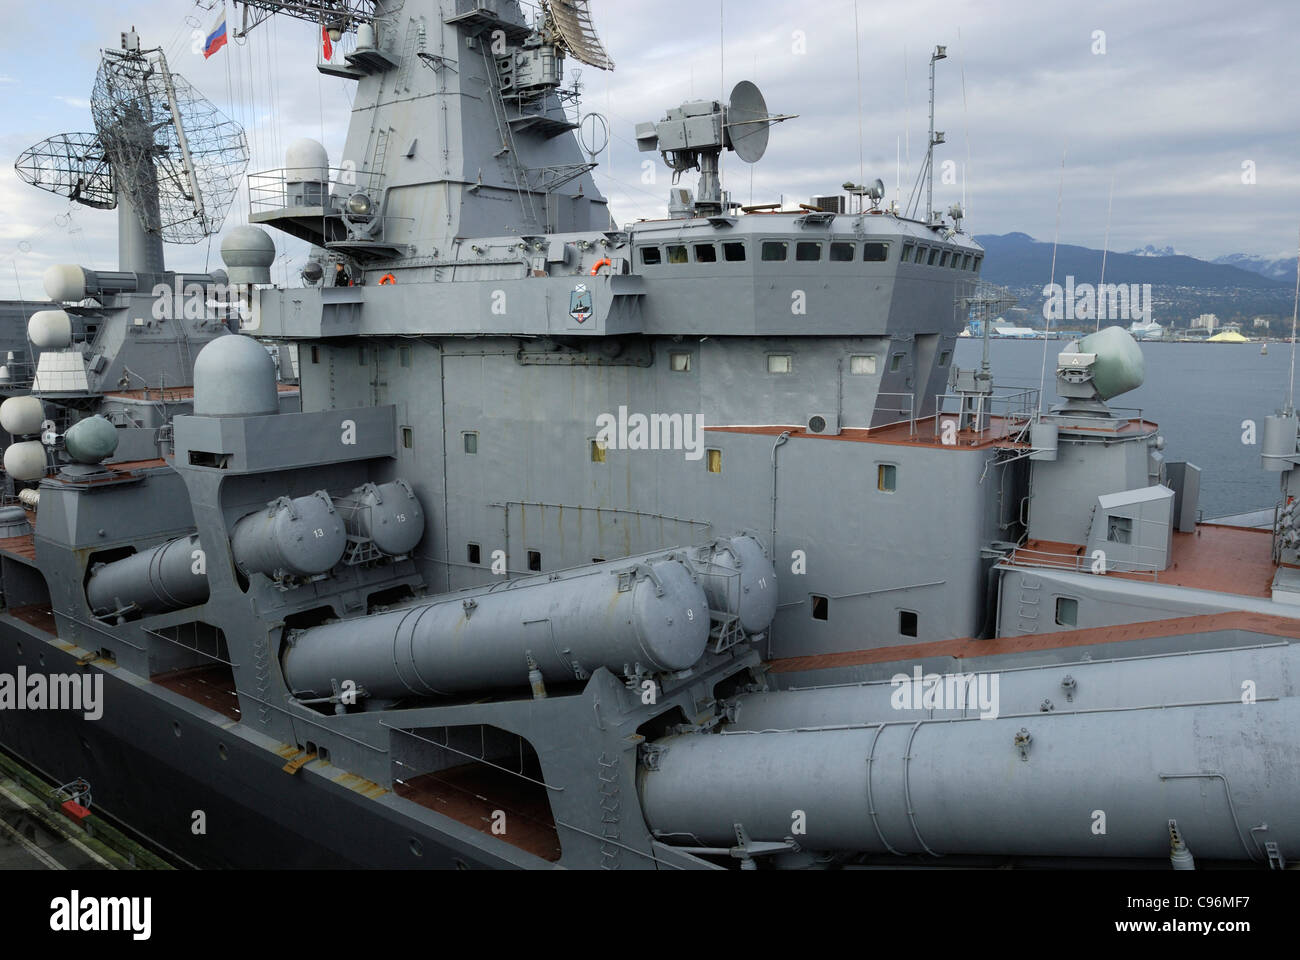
[1183, 95]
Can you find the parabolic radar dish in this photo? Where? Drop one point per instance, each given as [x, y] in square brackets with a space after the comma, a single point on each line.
[748, 122]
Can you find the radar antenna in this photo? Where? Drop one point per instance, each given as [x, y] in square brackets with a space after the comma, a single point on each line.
[694, 135]
[161, 150]
[176, 157]
[568, 25]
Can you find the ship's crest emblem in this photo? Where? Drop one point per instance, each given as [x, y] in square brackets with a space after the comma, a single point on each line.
[580, 303]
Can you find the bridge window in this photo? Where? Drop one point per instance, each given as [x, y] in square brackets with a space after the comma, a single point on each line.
[734, 252]
[934, 256]
[875, 252]
[775, 251]
[907, 623]
[1120, 530]
[1067, 612]
[978, 261]
[808, 251]
[907, 252]
[965, 262]
[920, 255]
[706, 253]
[779, 363]
[943, 258]
[820, 607]
[955, 263]
[842, 252]
[886, 477]
[651, 256]
[677, 253]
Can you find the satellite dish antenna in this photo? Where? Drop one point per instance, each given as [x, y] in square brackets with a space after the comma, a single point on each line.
[568, 25]
[594, 134]
[748, 122]
[160, 150]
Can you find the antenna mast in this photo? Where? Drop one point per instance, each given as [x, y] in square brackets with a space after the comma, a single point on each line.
[940, 53]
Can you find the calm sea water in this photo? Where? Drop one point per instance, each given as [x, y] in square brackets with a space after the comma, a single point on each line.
[1199, 393]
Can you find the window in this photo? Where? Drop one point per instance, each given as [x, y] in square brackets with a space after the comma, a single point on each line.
[934, 255]
[862, 366]
[896, 363]
[907, 252]
[315, 354]
[714, 460]
[677, 253]
[808, 251]
[734, 252]
[473, 553]
[886, 477]
[775, 250]
[651, 256]
[907, 623]
[876, 252]
[1120, 530]
[978, 261]
[404, 356]
[535, 560]
[842, 252]
[408, 440]
[955, 263]
[779, 363]
[820, 607]
[944, 357]
[470, 439]
[943, 258]
[919, 257]
[679, 362]
[1067, 612]
[706, 253]
[598, 451]
[965, 262]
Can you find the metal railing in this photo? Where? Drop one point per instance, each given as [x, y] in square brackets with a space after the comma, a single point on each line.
[1015, 411]
[288, 187]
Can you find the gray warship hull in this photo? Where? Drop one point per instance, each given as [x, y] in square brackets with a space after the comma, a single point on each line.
[527, 540]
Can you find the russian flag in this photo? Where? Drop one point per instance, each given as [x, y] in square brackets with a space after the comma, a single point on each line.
[217, 37]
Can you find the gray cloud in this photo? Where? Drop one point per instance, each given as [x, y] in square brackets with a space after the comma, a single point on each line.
[1183, 96]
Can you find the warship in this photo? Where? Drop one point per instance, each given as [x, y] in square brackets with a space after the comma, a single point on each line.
[512, 537]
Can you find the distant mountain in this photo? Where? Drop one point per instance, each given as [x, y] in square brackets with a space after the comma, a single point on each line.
[1275, 268]
[1017, 260]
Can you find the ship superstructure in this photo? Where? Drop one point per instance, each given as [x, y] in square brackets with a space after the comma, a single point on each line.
[606, 546]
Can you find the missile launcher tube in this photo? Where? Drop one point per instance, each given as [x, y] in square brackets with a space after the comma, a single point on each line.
[1257, 672]
[153, 581]
[301, 537]
[738, 578]
[961, 786]
[656, 616]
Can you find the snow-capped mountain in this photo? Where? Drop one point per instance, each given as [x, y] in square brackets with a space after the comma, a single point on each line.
[1281, 267]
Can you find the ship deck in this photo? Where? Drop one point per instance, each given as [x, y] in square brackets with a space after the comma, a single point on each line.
[967, 647]
[1003, 433]
[1221, 559]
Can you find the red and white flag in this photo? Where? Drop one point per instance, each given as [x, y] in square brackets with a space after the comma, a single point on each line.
[325, 42]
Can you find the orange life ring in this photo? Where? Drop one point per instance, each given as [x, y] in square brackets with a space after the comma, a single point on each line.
[602, 263]
[387, 278]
